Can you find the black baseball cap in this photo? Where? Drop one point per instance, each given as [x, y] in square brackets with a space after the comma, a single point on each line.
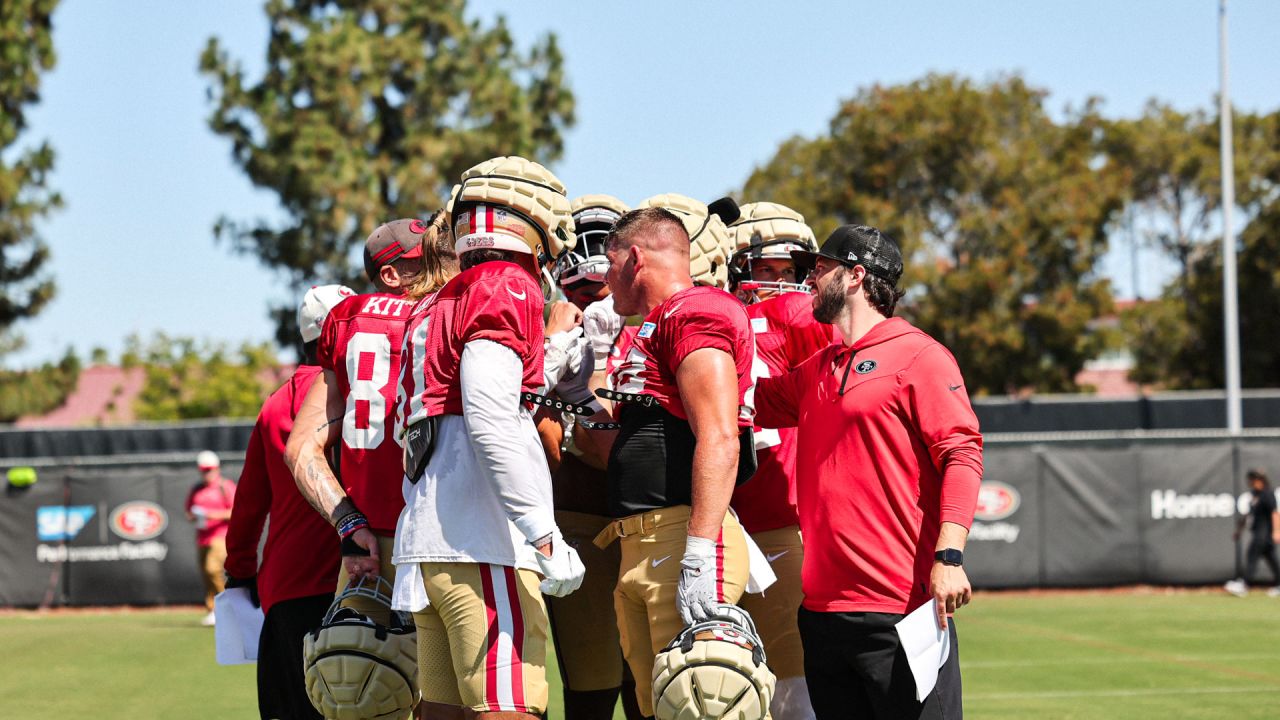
[853, 245]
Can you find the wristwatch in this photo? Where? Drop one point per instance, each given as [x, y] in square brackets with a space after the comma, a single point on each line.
[949, 556]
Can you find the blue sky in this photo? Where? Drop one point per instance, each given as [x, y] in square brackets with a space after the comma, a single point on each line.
[672, 97]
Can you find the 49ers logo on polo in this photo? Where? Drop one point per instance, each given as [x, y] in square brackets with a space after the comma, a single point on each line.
[996, 501]
[138, 520]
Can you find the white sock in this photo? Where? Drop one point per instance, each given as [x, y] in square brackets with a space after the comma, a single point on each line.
[791, 700]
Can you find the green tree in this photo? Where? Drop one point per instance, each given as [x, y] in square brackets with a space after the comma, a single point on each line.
[368, 111]
[1172, 160]
[186, 379]
[38, 390]
[1002, 213]
[26, 40]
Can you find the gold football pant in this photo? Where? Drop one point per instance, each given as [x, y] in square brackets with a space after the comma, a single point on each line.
[482, 640]
[774, 611]
[583, 623]
[645, 599]
[212, 557]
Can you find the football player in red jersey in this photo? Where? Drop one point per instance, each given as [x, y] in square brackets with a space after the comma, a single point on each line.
[681, 394]
[579, 334]
[352, 405]
[478, 525]
[763, 275]
[301, 556]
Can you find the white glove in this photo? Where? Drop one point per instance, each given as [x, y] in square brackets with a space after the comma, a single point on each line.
[602, 326]
[696, 597]
[573, 384]
[562, 572]
[558, 355]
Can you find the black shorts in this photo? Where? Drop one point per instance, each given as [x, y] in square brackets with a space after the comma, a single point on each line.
[855, 667]
[282, 687]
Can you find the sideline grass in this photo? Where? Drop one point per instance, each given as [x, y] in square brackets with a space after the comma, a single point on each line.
[1139, 654]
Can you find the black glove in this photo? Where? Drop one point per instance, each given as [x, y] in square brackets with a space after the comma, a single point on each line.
[251, 583]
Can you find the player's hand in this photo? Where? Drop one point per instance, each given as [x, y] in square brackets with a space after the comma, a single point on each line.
[558, 355]
[573, 386]
[251, 583]
[602, 326]
[949, 585]
[562, 569]
[564, 316]
[696, 597]
[360, 566]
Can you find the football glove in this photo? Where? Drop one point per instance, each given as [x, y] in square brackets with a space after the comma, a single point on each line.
[696, 596]
[563, 571]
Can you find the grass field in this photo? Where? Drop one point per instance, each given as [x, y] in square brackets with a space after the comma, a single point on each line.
[1131, 654]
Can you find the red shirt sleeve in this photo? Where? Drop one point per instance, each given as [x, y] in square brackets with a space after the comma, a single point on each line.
[711, 321]
[805, 336]
[938, 405]
[251, 501]
[777, 399]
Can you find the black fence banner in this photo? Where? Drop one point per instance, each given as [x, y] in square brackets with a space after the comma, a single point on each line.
[1095, 512]
[106, 534]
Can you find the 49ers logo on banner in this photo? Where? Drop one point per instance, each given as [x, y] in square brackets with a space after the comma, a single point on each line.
[138, 520]
[996, 501]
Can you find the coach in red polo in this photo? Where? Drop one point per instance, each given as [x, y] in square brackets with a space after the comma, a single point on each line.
[888, 466]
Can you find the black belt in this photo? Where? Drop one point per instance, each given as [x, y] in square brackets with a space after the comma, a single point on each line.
[592, 425]
[557, 404]
[626, 397]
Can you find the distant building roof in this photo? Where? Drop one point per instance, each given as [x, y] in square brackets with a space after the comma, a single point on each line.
[104, 395]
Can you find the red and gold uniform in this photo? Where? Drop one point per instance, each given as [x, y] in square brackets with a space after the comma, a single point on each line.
[650, 470]
[464, 569]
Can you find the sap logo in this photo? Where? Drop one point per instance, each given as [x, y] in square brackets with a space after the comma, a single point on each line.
[62, 522]
[996, 501]
[1167, 504]
[138, 520]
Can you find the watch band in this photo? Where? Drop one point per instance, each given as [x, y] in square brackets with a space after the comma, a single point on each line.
[949, 556]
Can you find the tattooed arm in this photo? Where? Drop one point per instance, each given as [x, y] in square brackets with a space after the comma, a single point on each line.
[319, 426]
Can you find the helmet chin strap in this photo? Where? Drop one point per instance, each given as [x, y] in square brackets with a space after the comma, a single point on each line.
[549, 285]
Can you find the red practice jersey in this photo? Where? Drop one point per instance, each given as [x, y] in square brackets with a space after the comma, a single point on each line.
[301, 556]
[786, 335]
[497, 301]
[692, 319]
[361, 343]
[621, 346]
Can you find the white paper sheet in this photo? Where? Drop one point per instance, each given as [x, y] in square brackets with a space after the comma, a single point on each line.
[239, 624]
[926, 646]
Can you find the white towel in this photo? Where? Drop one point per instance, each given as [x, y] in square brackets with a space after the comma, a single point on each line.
[410, 592]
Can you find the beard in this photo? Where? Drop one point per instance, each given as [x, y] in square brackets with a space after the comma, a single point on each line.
[829, 301]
